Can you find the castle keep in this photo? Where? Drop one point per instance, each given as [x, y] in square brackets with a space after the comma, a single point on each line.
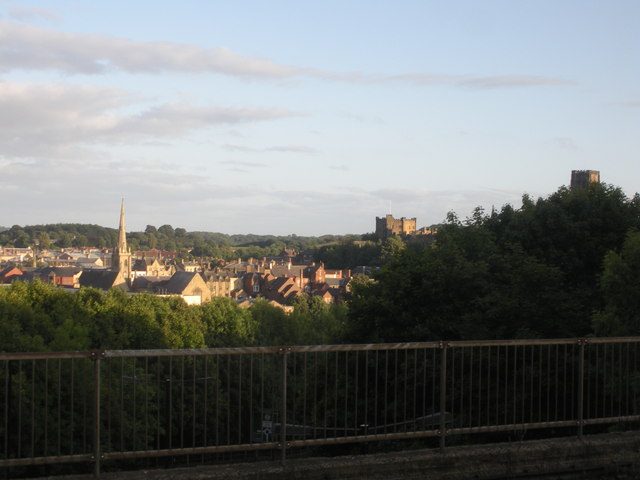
[581, 179]
[389, 226]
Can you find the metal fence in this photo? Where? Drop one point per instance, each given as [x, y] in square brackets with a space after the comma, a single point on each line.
[105, 406]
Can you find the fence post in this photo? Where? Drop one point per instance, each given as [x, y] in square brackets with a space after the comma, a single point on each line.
[96, 356]
[581, 344]
[284, 351]
[443, 393]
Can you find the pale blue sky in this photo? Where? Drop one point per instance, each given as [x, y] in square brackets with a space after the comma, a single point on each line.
[308, 118]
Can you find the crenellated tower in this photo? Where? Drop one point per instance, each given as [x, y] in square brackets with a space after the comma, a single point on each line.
[121, 258]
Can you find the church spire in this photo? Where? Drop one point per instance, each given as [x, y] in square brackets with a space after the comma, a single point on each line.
[122, 234]
[121, 258]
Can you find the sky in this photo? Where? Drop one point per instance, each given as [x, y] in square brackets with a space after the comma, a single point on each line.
[309, 118]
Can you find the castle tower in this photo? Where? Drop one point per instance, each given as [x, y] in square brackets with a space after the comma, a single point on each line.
[121, 258]
[581, 179]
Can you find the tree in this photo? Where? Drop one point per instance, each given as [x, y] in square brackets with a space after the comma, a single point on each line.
[225, 324]
[620, 285]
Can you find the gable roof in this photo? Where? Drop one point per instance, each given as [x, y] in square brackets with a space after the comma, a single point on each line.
[179, 281]
[101, 279]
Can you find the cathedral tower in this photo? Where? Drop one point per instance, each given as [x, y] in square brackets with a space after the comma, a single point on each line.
[121, 258]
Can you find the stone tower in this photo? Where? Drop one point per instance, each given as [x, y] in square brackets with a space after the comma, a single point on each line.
[581, 179]
[121, 258]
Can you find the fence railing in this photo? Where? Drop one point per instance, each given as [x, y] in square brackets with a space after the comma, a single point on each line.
[102, 406]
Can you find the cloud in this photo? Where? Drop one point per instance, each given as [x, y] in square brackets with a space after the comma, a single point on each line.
[235, 163]
[28, 47]
[630, 104]
[361, 118]
[565, 143]
[281, 148]
[27, 13]
[513, 81]
[61, 120]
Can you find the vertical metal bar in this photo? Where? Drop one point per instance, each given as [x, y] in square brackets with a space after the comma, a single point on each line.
[228, 400]
[251, 428]
[240, 399]
[581, 344]
[443, 393]
[326, 393]
[489, 385]
[335, 396]
[33, 410]
[46, 406]
[346, 389]
[480, 386]
[461, 414]
[315, 394]
[366, 389]
[122, 449]
[628, 381]
[96, 414]
[386, 384]
[531, 395]
[304, 397]
[6, 409]
[564, 393]
[133, 402]
[497, 384]
[20, 409]
[355, 416]
[59, 406]
[194, 361]
[415, 385]
[470, 386]
[146, 403]
[515, 381]
[375, 402]
[395, 392]
[283, 413]
[205, 399]
[595, 384]
[182, 383]
[169, 384]
[160, 384]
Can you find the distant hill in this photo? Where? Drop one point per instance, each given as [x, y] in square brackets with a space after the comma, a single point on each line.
[165, 237]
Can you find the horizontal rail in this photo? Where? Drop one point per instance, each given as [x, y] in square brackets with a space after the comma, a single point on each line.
[25, 462]
[246, 447]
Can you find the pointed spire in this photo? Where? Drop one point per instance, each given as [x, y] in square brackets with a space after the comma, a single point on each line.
[122, 234]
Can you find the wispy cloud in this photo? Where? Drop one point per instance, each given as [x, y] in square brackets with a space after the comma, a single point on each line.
[281, 148]
[29, 13]
[630, 104]
[235, 163]
[513, 81]
[565, 143]
[27, 47]
[61, 120]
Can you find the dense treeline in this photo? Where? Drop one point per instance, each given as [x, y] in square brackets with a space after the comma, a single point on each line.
[165, 237]
[561, 266]
[40, 317]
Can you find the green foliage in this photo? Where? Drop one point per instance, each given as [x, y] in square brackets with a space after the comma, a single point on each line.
[226, 324]
[620, 286]
[517, 273]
